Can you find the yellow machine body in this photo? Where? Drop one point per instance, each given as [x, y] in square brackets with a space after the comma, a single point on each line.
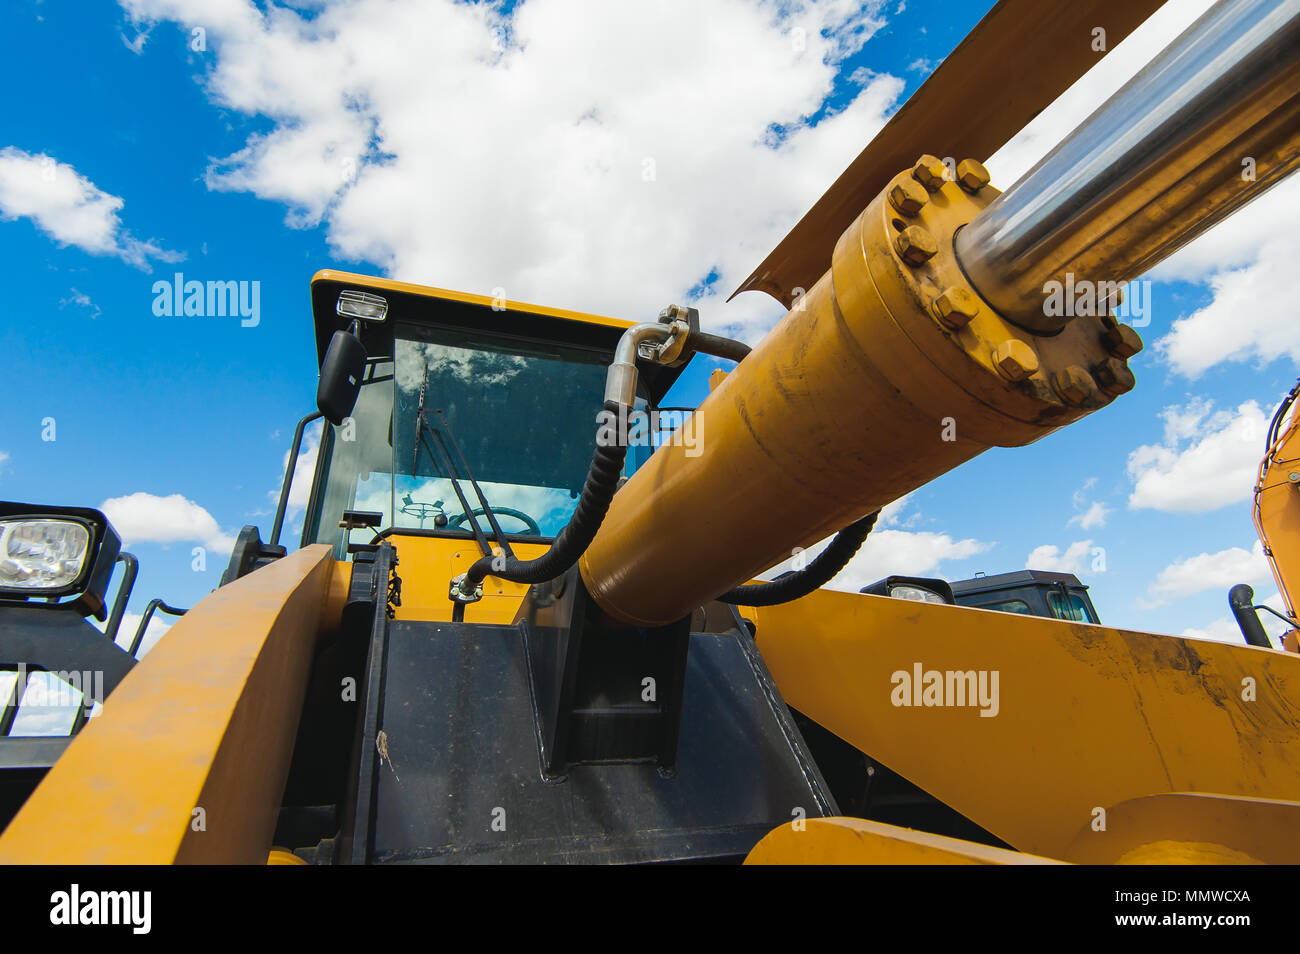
[1080, 718]
[1070, 742]
[1277, 513]
[888, 373]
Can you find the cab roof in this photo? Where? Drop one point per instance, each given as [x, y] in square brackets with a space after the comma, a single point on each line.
[1002, 581]
[425, 304]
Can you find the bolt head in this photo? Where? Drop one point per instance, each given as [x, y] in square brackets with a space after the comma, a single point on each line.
[1114, 377]
[930, 172]
[907, 196]
[972, 176]
[1073, 385]
[1121, 340]
[915, 245]
[1015, 360]
[955, 306]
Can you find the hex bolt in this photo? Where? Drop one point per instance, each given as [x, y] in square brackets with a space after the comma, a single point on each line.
[1073, 385]
[915, 245]
[1114, 377]
[955, 306]
[930, 172]
[1015, 360]
[972, 176]
[1121, 340]
[907, 196]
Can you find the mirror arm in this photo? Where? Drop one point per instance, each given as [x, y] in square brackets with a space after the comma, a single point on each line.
[290, 467]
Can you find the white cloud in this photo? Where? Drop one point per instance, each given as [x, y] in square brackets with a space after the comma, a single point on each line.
[1207, 460]
[149, 518]
[460, 147]
[1207, 571]
[1094, 516]
[69, 208]
[889, 552]
[80, 299]
[1252, 316]
[1073, 560]
[1222, 630]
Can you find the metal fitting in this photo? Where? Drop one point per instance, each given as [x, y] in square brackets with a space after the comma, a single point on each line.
[930, 172]
[907, 196]
[915, 245]
[620, 381]
[955, 306]
[1015, 360]
[1121, 340]
[972, 176]
[1113, 377]
[457, 592]
[1073, 384]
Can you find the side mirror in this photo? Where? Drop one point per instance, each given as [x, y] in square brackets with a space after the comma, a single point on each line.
[340, 376]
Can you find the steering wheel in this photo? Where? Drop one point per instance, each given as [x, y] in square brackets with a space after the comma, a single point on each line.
[519, 515]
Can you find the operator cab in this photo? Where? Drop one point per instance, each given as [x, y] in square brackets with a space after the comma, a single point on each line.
[462, 394]
[1030, 593]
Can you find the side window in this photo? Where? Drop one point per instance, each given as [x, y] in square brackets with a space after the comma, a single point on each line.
[1007, 606]
[50, 705]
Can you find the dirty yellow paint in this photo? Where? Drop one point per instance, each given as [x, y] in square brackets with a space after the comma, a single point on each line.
[1087, 717]
[1192, 828]
[188, 759]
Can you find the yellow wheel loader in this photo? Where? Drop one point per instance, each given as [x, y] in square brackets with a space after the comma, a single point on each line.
[524, 622]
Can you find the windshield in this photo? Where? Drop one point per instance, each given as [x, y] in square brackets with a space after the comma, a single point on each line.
[519, 416]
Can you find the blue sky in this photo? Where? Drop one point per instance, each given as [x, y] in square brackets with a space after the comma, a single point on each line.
[477, 146]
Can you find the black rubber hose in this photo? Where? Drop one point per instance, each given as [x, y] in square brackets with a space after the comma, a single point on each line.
[573, 540]
[718, 346]
[814, 576]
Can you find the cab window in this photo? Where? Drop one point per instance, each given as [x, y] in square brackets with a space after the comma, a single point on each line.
[1007, 606]
[1070, 607]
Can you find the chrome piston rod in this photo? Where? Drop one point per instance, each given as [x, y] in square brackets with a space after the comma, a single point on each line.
[1211, 123]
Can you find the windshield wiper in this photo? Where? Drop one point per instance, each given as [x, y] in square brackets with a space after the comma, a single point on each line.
[482, 499]
[452, 473]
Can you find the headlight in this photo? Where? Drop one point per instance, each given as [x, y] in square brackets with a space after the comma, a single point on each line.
[363, 305]
[47, 553]
[42, 554]
[916, 593]
[918, 589]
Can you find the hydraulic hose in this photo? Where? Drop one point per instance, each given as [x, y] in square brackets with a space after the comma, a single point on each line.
[572, 541]
[717, 346]
[814, 576]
